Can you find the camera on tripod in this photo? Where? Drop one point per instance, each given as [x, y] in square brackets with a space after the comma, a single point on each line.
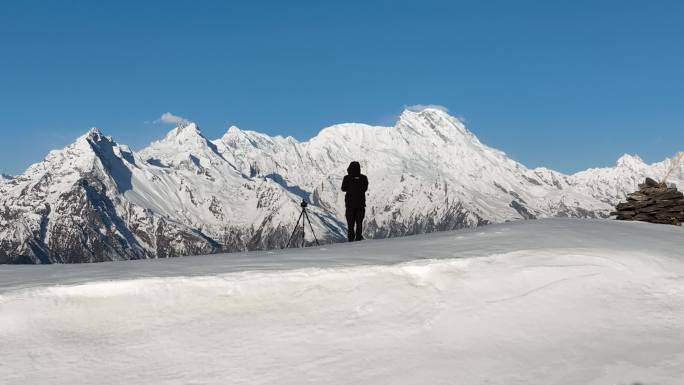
[304, 216]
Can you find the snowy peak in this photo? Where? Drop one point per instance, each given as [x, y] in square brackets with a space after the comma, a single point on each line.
[425, 113]
[93, 155]
[235, 137]
[184, 139]
[232, 131]
[184, 134]
[78, 157]
[97, 139]
[633, 162]
[103, 147]
[184, 144]
[94, 144]
[93, 132]
[434, 123]
[346, 134]
[94, 135]
[415, 131]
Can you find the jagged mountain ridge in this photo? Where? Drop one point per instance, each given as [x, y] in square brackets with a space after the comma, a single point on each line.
[97, 200]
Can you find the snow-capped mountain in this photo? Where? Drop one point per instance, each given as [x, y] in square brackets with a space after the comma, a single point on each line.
[5, 178]
[97, 200]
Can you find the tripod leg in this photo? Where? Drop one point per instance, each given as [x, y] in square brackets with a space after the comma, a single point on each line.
[295, 229]
[306, 214]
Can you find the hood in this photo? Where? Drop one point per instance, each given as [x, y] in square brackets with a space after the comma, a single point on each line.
[354, 169]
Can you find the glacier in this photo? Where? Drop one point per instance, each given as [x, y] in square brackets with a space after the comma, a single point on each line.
[552, 301]
[98, 200]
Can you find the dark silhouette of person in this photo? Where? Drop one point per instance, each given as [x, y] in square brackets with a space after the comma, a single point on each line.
[355, 185]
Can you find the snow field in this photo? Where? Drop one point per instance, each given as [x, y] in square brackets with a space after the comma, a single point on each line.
[559, 312]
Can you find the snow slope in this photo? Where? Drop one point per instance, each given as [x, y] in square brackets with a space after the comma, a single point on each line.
[558, 301]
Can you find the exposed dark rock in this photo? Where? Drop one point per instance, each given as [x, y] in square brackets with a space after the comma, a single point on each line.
[522, 210]
[654, 202]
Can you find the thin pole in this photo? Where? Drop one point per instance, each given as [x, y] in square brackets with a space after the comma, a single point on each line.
[295, 229]
[306, 214]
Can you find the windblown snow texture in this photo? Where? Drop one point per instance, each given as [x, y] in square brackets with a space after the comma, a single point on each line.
[97, 200]
[554, 301]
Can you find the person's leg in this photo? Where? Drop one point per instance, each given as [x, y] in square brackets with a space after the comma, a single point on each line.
[351, 217]
[360, 213]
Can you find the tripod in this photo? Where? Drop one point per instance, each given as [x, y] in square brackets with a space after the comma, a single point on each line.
[304, 215]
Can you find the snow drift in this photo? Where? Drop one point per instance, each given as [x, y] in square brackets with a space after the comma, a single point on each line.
[533, 302]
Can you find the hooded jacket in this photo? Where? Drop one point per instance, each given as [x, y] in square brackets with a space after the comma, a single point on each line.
[355, 185]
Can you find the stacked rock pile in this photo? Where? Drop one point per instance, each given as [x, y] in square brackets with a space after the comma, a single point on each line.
[654, 202]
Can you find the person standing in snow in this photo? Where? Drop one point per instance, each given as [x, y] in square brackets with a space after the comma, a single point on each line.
[355, 185]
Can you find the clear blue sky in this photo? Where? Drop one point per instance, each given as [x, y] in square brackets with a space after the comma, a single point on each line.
[564, 84]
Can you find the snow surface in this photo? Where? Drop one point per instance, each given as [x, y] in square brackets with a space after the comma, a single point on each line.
[556, 301]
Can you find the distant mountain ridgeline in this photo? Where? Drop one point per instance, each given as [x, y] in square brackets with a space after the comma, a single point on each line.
[97, 200]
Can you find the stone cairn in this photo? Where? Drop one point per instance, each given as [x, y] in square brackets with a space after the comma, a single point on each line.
[654, 202]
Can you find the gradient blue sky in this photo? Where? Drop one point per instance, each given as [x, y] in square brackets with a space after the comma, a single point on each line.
[563, 84]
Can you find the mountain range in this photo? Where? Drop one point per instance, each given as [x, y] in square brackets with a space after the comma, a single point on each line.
[98, 200]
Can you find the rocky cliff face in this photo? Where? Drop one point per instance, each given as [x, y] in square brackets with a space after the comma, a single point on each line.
[97, 200]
